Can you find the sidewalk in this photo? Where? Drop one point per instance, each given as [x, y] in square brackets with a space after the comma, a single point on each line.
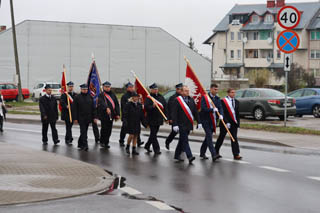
[253, 136]
[28, 175]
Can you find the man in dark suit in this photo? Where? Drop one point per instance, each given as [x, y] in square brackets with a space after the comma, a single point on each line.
[84, 113]
[154, 117]
[209, 117]
[108, 111]
[232, 119]
[65, 111]
[169, 108]
[184, 113]
[49, 115]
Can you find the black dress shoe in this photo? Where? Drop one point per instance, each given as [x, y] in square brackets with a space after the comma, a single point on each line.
[140, 143]
[121, 144]
[204, 157]
[179, 159]
[214, 158]
[167, 146]
[97, 141]
[157, 153]
[44, 143]
[56, 142]
[191, 160]
[238, 157]
[85, 149]
[107, 146]
[148, 149]
[219, 156]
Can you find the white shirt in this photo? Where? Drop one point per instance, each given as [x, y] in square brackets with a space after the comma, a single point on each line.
[229, 100]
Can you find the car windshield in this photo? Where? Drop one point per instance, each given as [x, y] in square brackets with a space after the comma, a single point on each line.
[55, 86]
[272, 93]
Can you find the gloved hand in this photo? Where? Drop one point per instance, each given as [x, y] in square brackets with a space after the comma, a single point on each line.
[221, 117]
[215, 109]
[228, 125]
[175, 128]
[199, 126]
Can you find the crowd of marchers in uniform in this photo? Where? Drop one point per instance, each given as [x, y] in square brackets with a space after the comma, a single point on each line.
[181, 113]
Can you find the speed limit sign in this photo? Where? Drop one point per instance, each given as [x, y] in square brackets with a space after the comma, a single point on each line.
[289, 17]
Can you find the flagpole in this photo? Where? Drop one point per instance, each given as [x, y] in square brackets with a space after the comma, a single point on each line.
[149, 96]
[69, 107]
[224, 124]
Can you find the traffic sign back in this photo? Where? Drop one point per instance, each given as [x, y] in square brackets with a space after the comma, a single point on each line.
[288, 41]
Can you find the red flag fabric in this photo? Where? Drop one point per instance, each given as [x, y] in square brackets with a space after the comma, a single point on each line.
[195, 87]
[63, 88]
[141, 90]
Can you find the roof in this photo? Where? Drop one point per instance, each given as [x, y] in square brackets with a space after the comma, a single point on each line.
[308, 9]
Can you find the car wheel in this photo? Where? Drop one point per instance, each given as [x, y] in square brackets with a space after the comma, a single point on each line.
[316, 111]
[259, 114]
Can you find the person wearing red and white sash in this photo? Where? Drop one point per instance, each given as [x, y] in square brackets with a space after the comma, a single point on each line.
[65, 111]
[232, 119]
[183, 115]
[154, 117]
[108, 111]
[209, 117]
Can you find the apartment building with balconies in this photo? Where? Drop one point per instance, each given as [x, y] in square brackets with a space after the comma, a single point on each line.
[244, 42]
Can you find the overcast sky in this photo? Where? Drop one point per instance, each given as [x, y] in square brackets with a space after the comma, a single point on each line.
[181, 18]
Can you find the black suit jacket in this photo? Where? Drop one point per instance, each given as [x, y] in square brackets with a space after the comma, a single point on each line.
[64, 105]
[154, 117]
[49, 108]
[179, 118]
[227, 116]
[104, 103]
[84, 110]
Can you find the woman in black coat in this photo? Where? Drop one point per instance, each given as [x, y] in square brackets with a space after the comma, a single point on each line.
[133, 116]
[3, 111]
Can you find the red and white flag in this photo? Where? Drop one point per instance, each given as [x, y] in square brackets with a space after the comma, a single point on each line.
[195, 87]
[63, 88]
[141, 90]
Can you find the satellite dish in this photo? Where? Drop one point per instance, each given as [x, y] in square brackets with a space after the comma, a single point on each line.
[268, 59]
[245, 40]
[269, 40]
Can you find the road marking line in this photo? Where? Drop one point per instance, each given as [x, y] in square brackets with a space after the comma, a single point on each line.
[160, 205]
[130, 191]
[314, 178]
[273, 169]
[235, 161]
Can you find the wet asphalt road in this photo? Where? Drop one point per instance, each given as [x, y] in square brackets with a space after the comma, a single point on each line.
[266, 181]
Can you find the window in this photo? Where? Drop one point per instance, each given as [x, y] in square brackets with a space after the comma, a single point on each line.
[316, 73]
[239, 93]
[251, 94]
[309, 93]
[239, 54]
[254, 19]
[255, 35]
[315, 54]
[11, 86]
[278, 54]
[265, 34]
[268, 19]
[232, 36]
[296, 94]
[239, 36]
[2, 86]
[232, 54]
[315, 35]
[255, 54]
[252, 53]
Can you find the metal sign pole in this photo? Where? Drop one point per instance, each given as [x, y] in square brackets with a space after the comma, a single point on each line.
[286, 100]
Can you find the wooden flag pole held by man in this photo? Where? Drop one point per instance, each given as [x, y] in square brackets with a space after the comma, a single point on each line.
[69, 107]
[224, 124]
[149, 96]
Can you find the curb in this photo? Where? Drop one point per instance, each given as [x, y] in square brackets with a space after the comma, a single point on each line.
[117, 126]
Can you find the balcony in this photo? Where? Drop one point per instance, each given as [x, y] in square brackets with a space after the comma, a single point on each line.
[258, 44]
[256, 62]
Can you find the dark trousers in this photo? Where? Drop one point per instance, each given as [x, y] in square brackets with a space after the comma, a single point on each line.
[171, 136]
[1, 123]
[234, 145]
[153, 139]
[123, 133]
[183, 144]
[83, 139]
[68, 136]
[207, 143]
[45, 126]
[95, 131]
[105, 132]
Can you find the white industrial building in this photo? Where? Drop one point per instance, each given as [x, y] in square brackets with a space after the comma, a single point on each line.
[44, 46]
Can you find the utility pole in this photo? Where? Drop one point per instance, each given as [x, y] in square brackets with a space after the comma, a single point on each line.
[20, 98]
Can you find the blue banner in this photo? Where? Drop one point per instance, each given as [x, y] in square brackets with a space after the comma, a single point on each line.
[94, 83]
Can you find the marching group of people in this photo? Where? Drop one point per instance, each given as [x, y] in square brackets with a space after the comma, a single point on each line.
[180, 110]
